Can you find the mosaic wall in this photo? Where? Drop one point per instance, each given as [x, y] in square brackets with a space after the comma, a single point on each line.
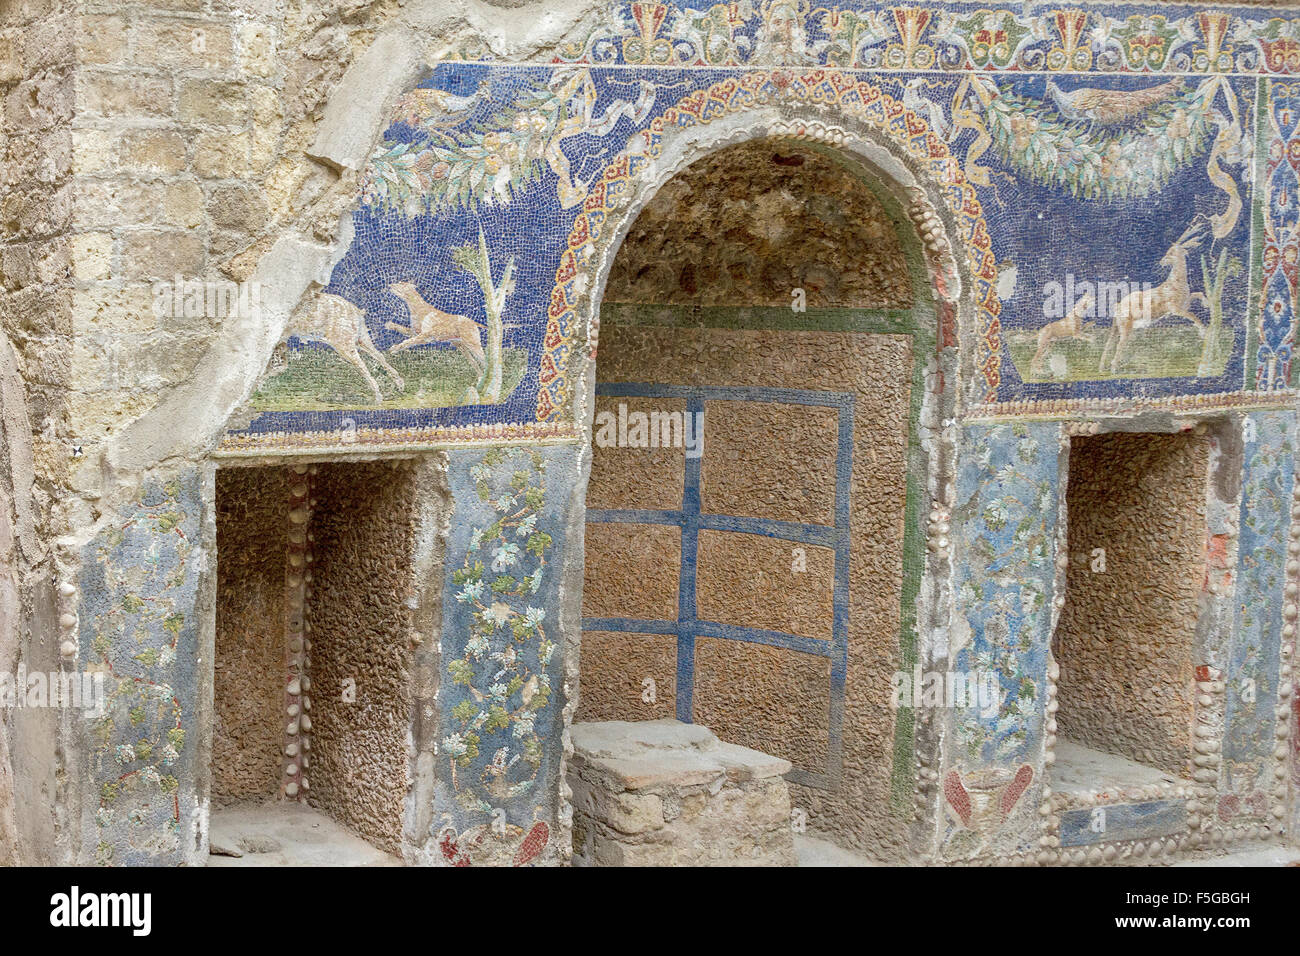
[463, 311]
[502, 688]
[1008, 484]
[140, 627]
[463, 299]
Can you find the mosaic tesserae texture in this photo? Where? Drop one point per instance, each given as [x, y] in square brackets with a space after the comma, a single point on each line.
[616, 426]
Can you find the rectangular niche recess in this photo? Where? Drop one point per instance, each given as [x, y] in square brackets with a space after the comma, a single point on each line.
[313, 633]
[1126, 638]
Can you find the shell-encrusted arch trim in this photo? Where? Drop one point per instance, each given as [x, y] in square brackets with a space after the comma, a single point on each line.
[854, 97]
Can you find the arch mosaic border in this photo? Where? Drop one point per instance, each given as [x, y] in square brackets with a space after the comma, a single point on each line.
[857, 98]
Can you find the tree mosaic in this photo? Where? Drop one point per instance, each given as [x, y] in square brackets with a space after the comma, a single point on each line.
[495, 752]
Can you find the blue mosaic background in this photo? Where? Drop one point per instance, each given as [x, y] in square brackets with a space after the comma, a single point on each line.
[1123, 821]
[1252, 685]
[519, 151]
[1006, 518]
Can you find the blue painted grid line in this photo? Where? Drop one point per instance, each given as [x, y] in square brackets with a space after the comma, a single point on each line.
[816, 646]
[691, 521]
[686, 610]
[821, 536]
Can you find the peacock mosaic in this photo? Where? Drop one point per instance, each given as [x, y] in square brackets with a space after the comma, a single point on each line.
[461, 309]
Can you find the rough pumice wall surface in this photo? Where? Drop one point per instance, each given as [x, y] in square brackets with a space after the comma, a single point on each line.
[770, 699]
[759, 212]
[248, 693]
[363, 530]
[1126, 634]
[752, 223]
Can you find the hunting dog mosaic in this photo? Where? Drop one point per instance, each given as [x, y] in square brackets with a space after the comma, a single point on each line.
[462, 308]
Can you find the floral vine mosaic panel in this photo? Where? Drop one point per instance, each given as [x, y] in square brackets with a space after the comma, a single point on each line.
[1007, 490]
[459, 310]
[1280, 156]
[1252, 694]
[502, 658]
[139, 628]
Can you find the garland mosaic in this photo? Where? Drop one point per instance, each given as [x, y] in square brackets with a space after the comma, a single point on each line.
[496, 194]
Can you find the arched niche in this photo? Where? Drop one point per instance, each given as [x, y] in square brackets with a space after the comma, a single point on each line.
[771, 370]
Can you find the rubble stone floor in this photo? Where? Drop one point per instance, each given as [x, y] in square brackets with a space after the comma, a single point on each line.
[814, 851]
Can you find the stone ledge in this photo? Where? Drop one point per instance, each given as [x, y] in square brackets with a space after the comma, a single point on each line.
[666, 753]
[664, 793]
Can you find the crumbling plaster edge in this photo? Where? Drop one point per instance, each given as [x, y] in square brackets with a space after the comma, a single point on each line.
[187, 424]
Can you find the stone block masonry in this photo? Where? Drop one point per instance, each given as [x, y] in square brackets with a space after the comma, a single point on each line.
[665, 793]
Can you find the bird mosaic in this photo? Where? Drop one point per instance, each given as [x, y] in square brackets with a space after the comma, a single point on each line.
[1109, 107]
